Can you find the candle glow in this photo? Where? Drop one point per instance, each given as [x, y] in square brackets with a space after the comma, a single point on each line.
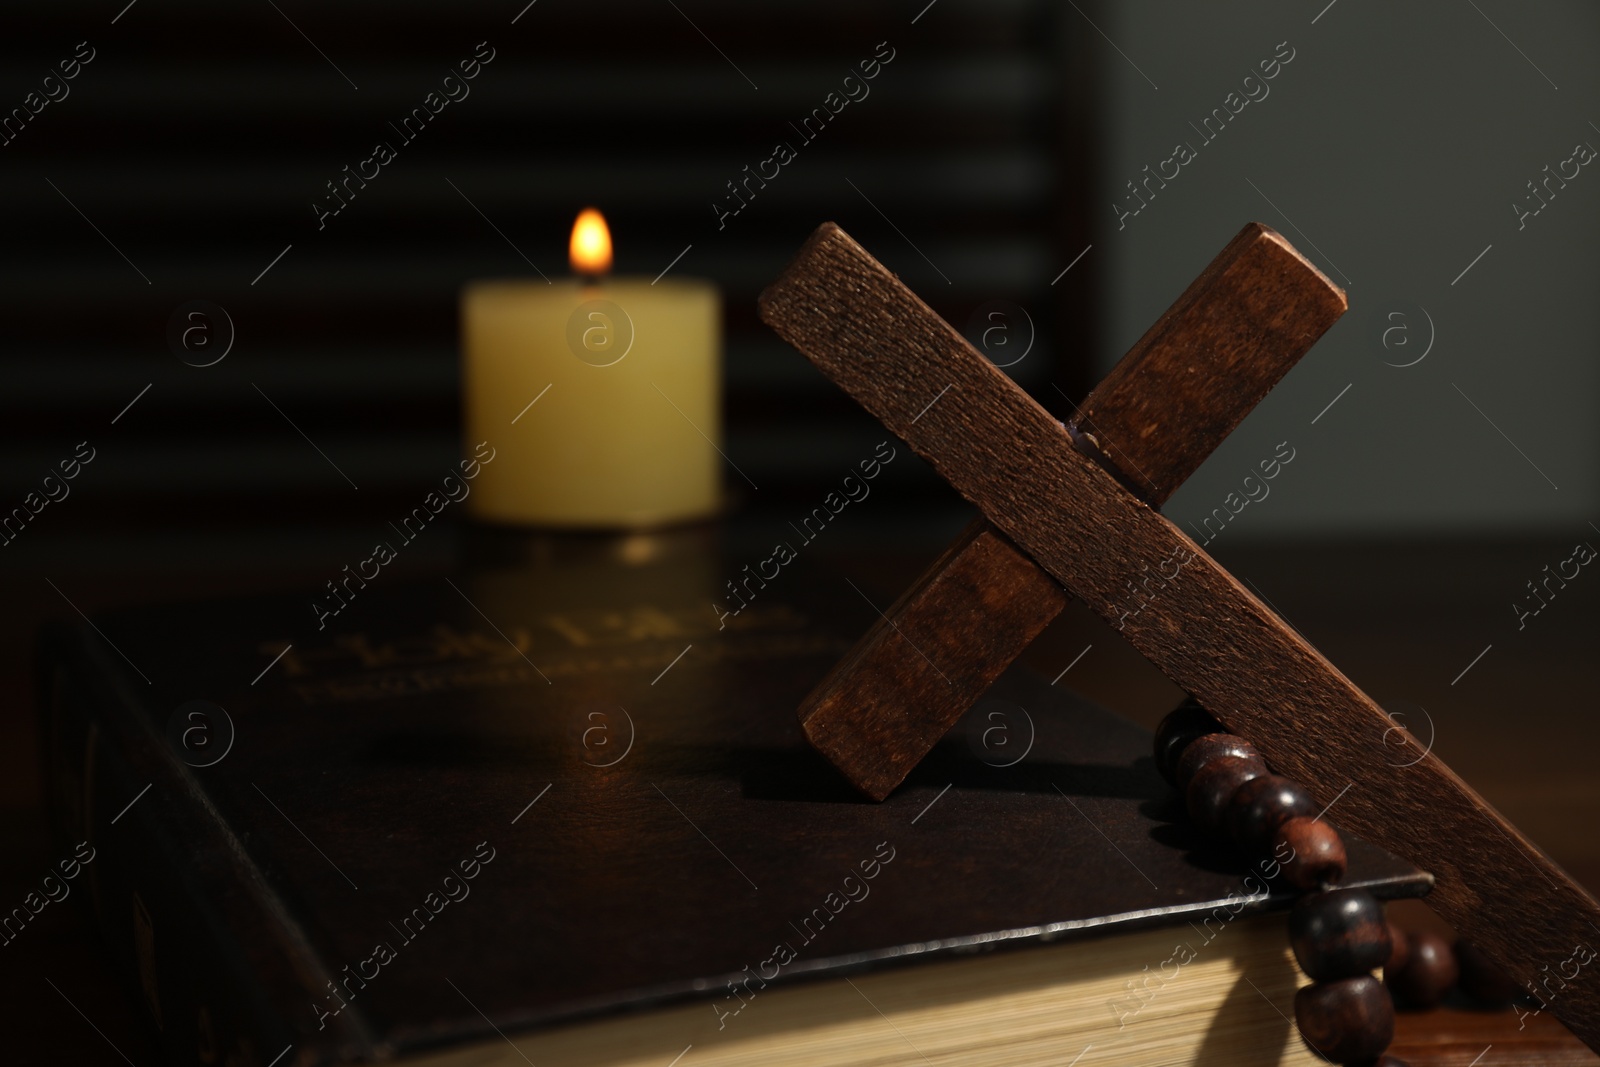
[590, 248]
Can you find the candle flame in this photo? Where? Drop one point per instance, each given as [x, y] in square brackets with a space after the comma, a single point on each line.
[590, 250]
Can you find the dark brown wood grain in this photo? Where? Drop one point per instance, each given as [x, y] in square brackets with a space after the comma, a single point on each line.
[1346, 1021]
[1451, 1037]
[1428, 973]
[1208, 360]
[928, 659]
[1199, 625]
[1339, 933]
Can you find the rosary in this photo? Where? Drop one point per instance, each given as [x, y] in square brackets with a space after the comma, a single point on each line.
[1339, 936]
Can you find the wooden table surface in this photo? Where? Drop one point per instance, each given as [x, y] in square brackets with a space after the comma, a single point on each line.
[1402, 620]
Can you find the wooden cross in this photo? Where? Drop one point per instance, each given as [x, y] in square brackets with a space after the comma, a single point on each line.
[1239, 327]
[1074, 506]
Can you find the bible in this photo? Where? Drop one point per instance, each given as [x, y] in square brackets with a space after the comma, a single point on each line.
[566, 815]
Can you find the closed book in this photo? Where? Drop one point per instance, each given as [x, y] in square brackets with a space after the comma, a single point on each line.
[566, 816]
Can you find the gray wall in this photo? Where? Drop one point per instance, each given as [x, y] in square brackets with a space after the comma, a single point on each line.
[1397, 140]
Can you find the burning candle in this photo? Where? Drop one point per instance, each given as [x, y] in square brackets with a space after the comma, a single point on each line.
[600, 396]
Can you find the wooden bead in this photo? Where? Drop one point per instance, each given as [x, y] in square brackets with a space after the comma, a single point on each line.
[1429, 972]
[1311, 852]
[1261, 806]
[1204, 749]
[1338, 934]
[1400, 948]
[1214, 784]
[1348, 1021]
[1482, 979]
[1182, 725]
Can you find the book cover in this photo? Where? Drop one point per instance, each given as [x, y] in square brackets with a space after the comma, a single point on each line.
[513, 802]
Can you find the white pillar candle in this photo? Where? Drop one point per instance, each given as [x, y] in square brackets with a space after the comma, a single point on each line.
[601, 397]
